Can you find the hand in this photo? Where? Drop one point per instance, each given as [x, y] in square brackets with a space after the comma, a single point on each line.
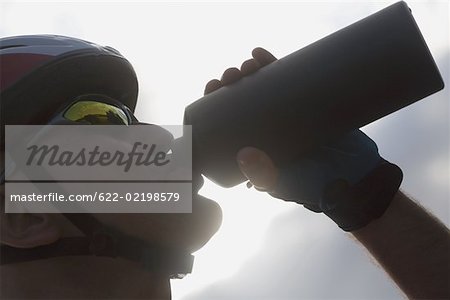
[261, 58]
[253, 156]
[347, 180]
[259, 168]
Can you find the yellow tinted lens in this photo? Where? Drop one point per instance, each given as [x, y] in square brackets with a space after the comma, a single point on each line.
[96, 113]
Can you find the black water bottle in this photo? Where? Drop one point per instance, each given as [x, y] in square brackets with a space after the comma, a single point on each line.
[315, 95]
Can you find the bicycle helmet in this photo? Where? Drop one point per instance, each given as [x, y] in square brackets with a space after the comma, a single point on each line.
[41, 72]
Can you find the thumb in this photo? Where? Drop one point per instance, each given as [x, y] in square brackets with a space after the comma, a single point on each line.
[258, 167]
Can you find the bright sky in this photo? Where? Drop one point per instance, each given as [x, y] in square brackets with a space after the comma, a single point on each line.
[177, 47]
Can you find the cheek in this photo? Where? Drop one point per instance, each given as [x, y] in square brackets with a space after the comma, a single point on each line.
[2, 215]
[2, 199]
[2, 208]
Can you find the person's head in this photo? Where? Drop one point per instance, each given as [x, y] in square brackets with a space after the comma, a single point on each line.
[41, 76]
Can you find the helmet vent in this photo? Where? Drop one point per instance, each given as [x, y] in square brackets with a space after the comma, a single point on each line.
[10, 46]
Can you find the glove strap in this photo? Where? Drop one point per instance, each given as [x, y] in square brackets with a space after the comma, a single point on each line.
[353, 207]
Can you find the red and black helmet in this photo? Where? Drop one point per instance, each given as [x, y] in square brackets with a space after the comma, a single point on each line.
[39, 73]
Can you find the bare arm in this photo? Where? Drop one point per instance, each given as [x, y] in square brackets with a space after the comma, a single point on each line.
[412, 246]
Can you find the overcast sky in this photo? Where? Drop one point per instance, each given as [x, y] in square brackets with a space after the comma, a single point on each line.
[266, 249]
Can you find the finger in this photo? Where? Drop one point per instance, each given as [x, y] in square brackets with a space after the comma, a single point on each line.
[212, 85]
[249, 66]
[262, 56]
[230, 76]
[258, 167]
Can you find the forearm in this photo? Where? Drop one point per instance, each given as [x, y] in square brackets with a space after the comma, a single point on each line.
[412, 246]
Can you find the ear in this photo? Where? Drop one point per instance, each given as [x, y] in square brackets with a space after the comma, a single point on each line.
[28, 230]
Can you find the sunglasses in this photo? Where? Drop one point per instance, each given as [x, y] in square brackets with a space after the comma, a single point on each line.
[95, 109]
[90, 109]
